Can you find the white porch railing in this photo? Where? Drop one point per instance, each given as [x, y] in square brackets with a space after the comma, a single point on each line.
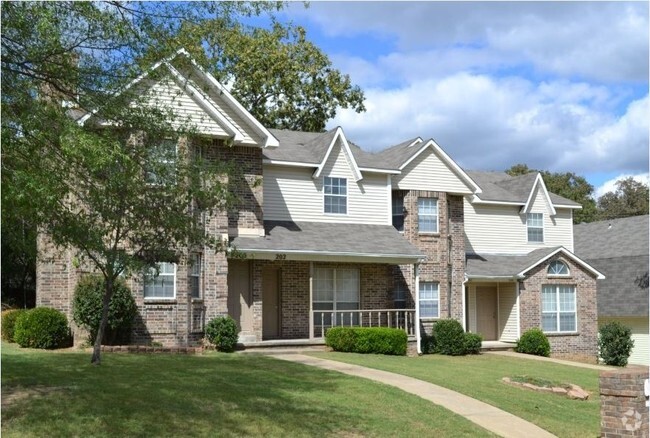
[393, 318]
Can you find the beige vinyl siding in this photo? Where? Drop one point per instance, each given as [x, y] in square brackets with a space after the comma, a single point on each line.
[250, 136]
[428, 172]
[501, 229]
[290, 193]
[641, 352]
[507, 312]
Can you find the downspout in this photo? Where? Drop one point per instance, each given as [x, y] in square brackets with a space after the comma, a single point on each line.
[418, 336]
[464, 319]
[311, 302]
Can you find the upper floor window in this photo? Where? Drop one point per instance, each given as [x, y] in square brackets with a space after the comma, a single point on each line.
[195, 276]
[336, 195]
[559, 308]
[398, 209]
[161, 283]
[429, 300]
[535, 225]
[161, 162]
[558, 268]
[428, 215]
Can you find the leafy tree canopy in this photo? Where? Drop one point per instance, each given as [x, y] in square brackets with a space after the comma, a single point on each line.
[568, 185]
[629, 199]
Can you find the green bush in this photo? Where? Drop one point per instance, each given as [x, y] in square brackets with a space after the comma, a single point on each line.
[449, 337]
[9, 318]
[473, 343]
[534, 341]
[377, 340]
[222, 333]
[87, 309]
[42, 327]
[615, 343]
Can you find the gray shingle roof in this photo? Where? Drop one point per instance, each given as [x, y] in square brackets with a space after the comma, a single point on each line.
[499, 186]
[619, 249]
[330, 238]
[490, 265]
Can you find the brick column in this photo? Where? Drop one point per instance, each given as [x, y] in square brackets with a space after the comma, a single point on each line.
[623, 410]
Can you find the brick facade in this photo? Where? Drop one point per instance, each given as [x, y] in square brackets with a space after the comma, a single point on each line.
[623, 410]
[582, 345]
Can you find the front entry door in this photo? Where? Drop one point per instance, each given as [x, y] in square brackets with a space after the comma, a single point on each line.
[486, 312]
[270, 303]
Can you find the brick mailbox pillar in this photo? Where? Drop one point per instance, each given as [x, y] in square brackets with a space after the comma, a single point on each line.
[623, 410]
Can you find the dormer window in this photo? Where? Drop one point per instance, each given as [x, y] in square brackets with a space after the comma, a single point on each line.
[336, 195]
[558, 268]
[535, 224]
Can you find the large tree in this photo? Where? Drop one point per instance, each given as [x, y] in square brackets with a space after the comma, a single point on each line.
[629, 199]
[568, 185]
[89, 188]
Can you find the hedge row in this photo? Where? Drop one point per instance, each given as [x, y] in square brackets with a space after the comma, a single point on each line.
[377, 340]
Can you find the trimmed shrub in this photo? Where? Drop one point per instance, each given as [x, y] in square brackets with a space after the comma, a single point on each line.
[377, 340]
[87, 309]
[534, 341]
[9, 318]
[449, 337]
[222, 332]
[615, 343]
[42, 327]
[473, 343]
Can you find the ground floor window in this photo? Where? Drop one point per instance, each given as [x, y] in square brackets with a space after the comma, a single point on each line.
[161, 283]
[335, 291]
[559, 308]
[429, 299]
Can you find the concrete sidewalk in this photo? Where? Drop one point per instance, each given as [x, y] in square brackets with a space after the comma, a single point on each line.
[487, 416]
[550, 359]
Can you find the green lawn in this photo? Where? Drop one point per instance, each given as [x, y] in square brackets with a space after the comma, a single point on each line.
[480, 377]
[49, 393]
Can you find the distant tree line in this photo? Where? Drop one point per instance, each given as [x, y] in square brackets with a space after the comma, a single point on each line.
[630, 198]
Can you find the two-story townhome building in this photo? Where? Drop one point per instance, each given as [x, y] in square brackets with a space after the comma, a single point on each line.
[326, 234]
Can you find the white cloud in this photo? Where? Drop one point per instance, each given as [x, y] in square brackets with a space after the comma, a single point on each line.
[610, 185]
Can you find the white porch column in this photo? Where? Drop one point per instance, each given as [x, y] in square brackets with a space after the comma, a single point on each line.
[464, 310]
[418, 336]
[311, 300]
[518, 310]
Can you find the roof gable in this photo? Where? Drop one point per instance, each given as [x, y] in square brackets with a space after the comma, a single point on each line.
[210, 96]
[538, 185]
[338, 135]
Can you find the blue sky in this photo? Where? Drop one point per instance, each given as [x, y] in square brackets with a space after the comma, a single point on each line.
[561, 86]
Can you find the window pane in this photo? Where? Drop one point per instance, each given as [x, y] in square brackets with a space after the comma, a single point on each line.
[558, 268]
[568, 322]
[428, 215]
[549, 322]
[549, 299]
[535, 235]
[567, 299]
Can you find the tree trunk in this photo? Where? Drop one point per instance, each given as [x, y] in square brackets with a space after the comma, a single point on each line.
[108, 294]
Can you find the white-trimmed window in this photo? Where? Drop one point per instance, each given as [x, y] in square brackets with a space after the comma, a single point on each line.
[559, 308]
[161, 163]
[195, 275]
[427, 215]
[535, 225]
[397, 201]
[399, 296]
[335, 290]
[558, 268]
[161, 284]
[336, 195]
[429, 297]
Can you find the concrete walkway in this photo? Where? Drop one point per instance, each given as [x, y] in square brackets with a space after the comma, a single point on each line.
[550, 359]
[487, 416]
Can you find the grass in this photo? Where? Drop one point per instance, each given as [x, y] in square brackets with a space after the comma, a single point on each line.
[54, 393]
[480, 377]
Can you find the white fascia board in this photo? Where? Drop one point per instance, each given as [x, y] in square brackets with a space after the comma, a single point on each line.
[529, 202]
[289, 163]
[205, 104]
[477, 200]
[346, 148]
[573, 207]
[569, 254]
[135, 81]
[416, 141]
[448, 161]
[375, 170]
[494, 277]
[324, 256]
[270, 140]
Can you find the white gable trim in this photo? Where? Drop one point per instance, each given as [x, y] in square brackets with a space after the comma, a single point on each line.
[288, 163]
[570, 255]
[445, 159]
[529, 203]
[204, 103]
[416, 141]
[346, 150]
[375, 170]
[477, 200]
